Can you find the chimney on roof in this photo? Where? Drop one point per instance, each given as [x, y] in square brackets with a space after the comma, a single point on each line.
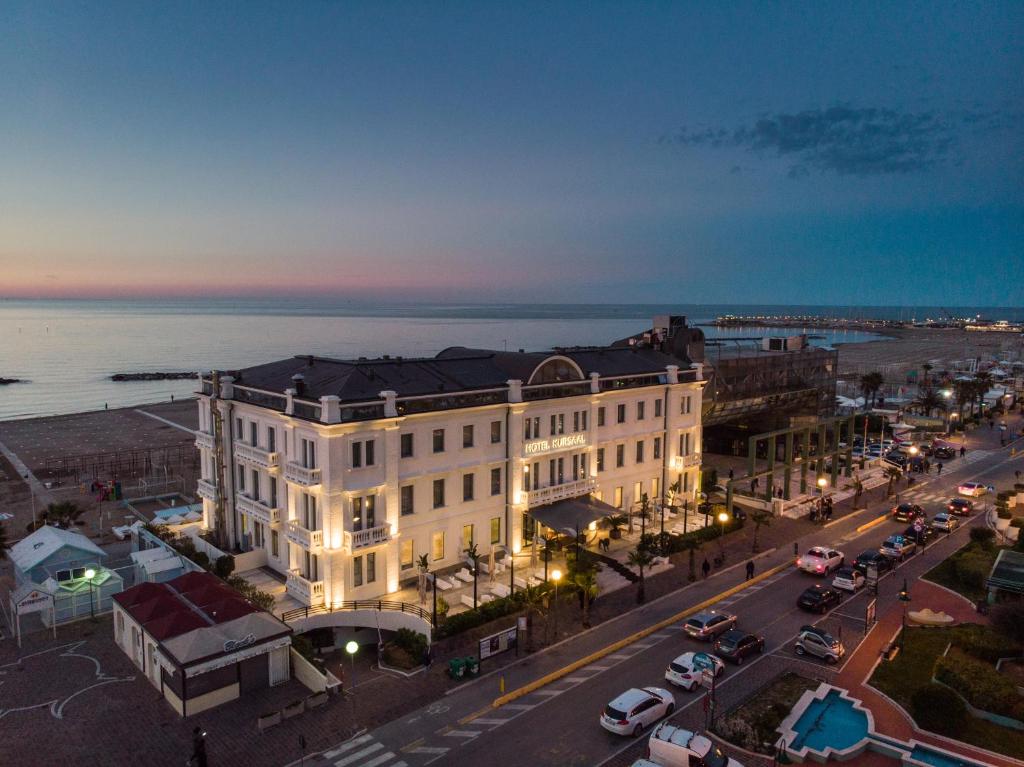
[387, 357]
[299, 384]
[310, 359]
[520, 351]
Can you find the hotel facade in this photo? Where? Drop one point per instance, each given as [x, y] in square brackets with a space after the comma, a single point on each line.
[343, 474]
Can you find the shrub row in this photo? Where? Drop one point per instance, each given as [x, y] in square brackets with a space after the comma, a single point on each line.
[938, 709]
[983, 643]
[485, 612]
[980, 683]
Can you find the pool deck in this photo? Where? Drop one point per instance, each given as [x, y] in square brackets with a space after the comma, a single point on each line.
[889, 718]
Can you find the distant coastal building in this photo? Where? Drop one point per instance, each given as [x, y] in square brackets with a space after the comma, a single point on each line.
[344, 473]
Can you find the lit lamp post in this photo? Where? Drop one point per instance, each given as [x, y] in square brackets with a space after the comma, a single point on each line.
[352, 647]
[946, 395]
[723, 517]
[90, 573]
[913, 454]
[822, 484]
[904, 598]
[556, 576]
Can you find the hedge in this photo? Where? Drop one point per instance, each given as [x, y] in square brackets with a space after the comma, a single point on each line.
[938, 709]
[485, 613]
[972, 569]
[984, 643]
[981, 684]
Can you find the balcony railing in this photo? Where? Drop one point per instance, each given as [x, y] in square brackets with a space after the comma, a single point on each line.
[693, 459]
[204, 440]
[357, 539]
[560, 492]
[300, 475]
[256, 456]
[258, 510]
[206, 489]
[306, 591]
[300, 536]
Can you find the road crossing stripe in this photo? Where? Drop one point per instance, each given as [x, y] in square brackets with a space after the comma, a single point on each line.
[599, 668]
[619, 656]
[573, 679]
[379, 760]
[660, 635]
[358, 755]
[429, 750]
[495, 722]
[520, 706]
[549, 693]
[461, 734]
[346, 746]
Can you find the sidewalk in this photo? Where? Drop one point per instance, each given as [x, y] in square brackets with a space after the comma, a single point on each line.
[891, 719]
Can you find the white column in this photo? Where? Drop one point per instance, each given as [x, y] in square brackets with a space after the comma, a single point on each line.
[595, 383]
[330, 409]
[392, 503]
[390, 408]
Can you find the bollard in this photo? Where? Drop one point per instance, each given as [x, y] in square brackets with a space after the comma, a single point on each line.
[501, 684]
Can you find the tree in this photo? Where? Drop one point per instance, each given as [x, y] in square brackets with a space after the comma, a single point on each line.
[858, 491]
[1008, 620]
[691, 545]
[640, 558]
[474, 557]
[3, 542]
[892, 473]
[63, 513]
[927, 368]
[759, 517]
[532, 598]
[982, 383]
[928, 400]
[615, 523]
[964, 391]
[870, 383]
[422, 564]
[586, 582]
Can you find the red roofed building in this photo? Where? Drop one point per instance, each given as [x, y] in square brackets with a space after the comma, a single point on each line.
[199, 641]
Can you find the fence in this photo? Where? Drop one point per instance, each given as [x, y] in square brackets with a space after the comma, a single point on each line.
[405, 607]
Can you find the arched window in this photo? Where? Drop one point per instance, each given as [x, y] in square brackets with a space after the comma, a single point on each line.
[556, 369]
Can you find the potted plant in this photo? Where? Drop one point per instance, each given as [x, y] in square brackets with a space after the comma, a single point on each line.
[1013, 531]
[615, 523]
[1003, 518]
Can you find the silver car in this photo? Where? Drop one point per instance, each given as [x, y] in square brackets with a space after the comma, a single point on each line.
[708, 624]
[820, 644]
[945, 522]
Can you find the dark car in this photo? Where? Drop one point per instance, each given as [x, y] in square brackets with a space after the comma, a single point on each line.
[908, 512]
[818, 599]
[962, 507]
[943, 453]
[736, 645]
[920, 538]
[875, 557]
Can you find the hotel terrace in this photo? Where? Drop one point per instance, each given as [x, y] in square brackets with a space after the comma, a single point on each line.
[340, 475]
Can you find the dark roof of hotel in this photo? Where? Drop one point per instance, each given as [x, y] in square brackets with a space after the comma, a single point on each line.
[455, 369]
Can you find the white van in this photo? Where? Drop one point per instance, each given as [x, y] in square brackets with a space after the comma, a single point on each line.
[672, 746]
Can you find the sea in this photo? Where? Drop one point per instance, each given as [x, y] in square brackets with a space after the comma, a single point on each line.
[65, 351]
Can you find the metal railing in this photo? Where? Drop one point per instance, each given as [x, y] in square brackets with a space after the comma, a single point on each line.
[370, 604]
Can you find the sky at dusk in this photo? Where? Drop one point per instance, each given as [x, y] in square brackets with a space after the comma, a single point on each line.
[845, 153]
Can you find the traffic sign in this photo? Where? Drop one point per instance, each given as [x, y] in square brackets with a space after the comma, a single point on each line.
[702, 661]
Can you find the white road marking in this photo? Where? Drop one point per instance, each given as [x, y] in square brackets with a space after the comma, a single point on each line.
[351, 758]
[346, 746]
[495, 722]
[461, 734]
[379, 760]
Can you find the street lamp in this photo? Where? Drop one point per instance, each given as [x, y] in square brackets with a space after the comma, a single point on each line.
[904, 598]
[723, 517]
[556, 576]
[352, 647]
[90, 573]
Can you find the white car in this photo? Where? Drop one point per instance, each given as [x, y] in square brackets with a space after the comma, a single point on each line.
[683, 671]
[636, 709]
[945, 522]
[820, 560]
[673, 746]
[848, 579]
[972, 489]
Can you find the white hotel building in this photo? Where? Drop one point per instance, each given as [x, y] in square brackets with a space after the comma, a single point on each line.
[343, 473]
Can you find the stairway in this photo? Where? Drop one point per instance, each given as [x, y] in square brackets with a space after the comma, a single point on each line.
[616, 565]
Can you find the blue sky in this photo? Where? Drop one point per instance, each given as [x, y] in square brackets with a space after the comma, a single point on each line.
[656, 152]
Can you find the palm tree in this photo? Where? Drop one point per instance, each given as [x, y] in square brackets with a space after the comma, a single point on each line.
[759, 517]
[870, 383]
[982, 383]
[474, 557]
[586, 582]
[3, 542]
[63, 513]
[928, 400]
[615, 523]
[692, 545]
[533, 601]
[640, 558]
[892, 473]
[927, 368]
[964, 396]
[423, 564]
[858, 490]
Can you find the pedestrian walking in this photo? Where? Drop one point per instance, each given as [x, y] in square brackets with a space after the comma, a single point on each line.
[963, 451]
[730, 474]
[1017, 474]
[828, 509]
[750, 569]
[706, 567]
[939, 467]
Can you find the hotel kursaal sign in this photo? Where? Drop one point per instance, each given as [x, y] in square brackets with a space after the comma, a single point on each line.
[540, 446]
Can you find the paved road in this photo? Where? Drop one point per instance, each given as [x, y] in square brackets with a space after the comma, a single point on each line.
[557, 724]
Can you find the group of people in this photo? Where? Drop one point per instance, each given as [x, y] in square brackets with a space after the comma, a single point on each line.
[821, 510]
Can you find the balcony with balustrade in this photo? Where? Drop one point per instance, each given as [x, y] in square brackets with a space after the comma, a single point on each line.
[256, 456]
[306, 591]
[301, 475]
[311, 540]
[373, 536]
[258, 510]
[204, 440]
[206, 489]
[561, 492]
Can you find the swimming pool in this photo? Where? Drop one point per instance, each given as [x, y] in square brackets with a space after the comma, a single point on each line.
[830, 722]
[929, 756]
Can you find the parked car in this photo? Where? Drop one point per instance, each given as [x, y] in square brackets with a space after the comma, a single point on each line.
[963, 507]
[818, 599]
[873, 557]
[972, 489]
[636, 709]
[920, 538]
[736, 645]
[908, 512]
[671, 746]
[820, 560]
[708, 624]
[819, 643]
[941, 452]
[947, 523]
[685, 670]
[848, 579]
[898, 547]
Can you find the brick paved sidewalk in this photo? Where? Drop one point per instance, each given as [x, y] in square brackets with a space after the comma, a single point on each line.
[889, 718]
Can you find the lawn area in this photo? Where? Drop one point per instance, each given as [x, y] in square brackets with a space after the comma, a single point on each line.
[753, 723]
[913, 667]
[965, 570]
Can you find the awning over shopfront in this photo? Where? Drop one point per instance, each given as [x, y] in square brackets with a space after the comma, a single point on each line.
[572, 514]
